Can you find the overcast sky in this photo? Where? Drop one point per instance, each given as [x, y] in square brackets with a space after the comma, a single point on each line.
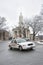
[11, 9]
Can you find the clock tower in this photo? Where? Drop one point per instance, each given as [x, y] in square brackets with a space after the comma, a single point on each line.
[20, 19]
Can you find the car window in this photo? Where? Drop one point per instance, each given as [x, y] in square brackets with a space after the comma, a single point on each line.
[21, 40]
[12, 41]
[15, 41]
[27, 39]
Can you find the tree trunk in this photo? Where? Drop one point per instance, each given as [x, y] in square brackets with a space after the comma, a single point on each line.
[34, 35]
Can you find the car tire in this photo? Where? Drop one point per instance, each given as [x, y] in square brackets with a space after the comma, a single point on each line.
[31, 48]
[20, 48]
[10, 48]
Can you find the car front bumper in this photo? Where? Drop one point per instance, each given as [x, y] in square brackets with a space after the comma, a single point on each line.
[28, 47]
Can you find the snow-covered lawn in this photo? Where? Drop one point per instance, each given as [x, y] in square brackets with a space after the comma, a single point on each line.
[39, 42]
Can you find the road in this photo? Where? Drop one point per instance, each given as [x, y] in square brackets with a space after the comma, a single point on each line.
[16, 57]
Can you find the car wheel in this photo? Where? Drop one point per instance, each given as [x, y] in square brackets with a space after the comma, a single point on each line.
[20, 48]
[10, 47]
[31, 48]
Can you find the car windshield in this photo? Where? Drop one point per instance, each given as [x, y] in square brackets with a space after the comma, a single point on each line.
[20, 40]
[27, 39]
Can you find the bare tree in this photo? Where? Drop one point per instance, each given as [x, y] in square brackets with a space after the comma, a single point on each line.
[36, 24]
[2, 22]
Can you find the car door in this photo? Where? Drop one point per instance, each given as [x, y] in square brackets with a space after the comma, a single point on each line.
[15, 44]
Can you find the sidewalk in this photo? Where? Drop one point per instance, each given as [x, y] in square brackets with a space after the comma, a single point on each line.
[38, 42]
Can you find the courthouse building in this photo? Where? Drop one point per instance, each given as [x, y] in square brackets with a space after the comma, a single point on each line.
[21, 31]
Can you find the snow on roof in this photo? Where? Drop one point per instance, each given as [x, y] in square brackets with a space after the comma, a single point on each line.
[39, 33]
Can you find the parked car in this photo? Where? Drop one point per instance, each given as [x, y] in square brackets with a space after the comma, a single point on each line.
[21, 44]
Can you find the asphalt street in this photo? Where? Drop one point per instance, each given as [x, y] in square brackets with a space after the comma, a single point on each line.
[16, 57]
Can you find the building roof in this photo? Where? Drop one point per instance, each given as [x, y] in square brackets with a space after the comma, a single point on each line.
[3, 30]
[18, 28]
[40, 33]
